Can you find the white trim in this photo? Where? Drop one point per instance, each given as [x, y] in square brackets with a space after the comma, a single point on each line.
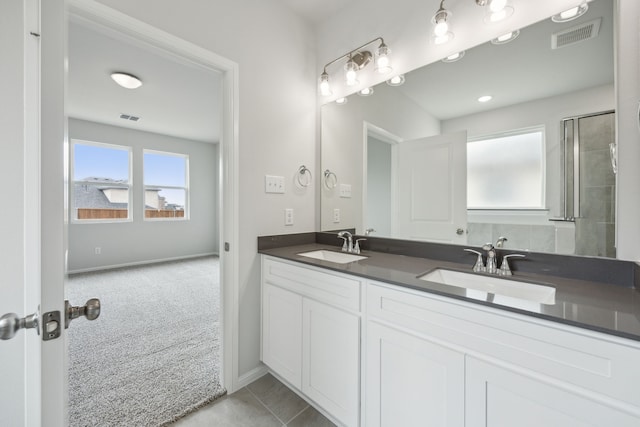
[99, 15]
[251, 376]
[138, 263]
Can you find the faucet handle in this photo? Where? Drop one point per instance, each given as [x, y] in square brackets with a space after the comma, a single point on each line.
[504, 269]
[356, 247]
[478, 267]
[345, 246]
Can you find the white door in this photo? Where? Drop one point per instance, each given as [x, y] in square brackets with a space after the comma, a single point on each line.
[32, 229]
[498, 397]
[411, 381]
[331, 359]
[432, 189]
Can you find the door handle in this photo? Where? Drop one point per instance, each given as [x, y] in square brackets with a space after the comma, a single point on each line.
[91, 310]
[11, 323]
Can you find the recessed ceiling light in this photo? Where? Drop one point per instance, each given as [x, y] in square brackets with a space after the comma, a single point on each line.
[454, 57]
[571, 14]
[506, 38]
[485, 98]
[396, 80]
[341, 101]
[366, 91]
[126, 80]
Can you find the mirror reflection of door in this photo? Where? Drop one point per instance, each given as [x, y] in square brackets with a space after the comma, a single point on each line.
[417, 189]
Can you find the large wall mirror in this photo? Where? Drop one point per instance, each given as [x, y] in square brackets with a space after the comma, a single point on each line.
[428, 161]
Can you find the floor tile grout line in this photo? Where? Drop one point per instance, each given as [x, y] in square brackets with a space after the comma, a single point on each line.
[265, 406]
[298, 414]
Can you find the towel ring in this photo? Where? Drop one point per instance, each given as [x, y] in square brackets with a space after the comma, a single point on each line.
[304, 176]
[328, 181]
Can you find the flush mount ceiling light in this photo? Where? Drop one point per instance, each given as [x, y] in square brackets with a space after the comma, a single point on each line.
[357, 60]
[571, 14]
[497, 10]
[396, 80]
[485, 98]
[367, 91]
[341, 101]
[506, 38]
[126, 80]
[455, 57]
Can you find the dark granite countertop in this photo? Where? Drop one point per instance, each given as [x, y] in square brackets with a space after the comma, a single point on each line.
[602, 307]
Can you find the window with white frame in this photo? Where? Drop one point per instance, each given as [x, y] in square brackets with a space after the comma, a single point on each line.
[101, 177]
[507, 171]
[166, 185]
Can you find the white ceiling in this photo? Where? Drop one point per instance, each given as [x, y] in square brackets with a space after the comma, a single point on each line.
[183, 100]
[177, 98]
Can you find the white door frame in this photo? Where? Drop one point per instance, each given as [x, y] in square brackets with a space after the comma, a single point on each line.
[54, 383]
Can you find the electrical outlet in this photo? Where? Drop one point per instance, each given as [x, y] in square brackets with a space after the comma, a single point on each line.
[98, 250]
[345, 190]
[336, 216]
[288, 216]
[273, 184]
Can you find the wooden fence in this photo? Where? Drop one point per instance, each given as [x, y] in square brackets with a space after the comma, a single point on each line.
[91, 213]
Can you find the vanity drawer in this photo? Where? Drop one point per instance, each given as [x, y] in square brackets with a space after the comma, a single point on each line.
[331, 288]
[593, 361]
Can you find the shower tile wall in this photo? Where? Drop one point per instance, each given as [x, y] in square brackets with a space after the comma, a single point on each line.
[595, 226]
[536, 238]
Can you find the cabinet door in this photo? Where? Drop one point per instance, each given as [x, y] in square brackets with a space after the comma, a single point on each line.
[282, 333]
[410, 381]
[499, 397]
[330, 360]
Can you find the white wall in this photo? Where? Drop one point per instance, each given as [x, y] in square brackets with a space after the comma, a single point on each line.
[275, 51]
[142, 241]
[548, 112]
[378, 208]
[343, 139]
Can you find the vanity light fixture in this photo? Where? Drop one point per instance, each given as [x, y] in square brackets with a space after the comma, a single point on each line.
[396, 80]
[455, 57]
[571, 14]
[485, 98]
[367, 91]
[357, 60]
[126, 80]
[497, 10]
[506, 38]
[440, 21]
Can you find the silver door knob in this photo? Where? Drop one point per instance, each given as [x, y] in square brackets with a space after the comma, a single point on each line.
[91, 310]
[460, 231]
[11, 323]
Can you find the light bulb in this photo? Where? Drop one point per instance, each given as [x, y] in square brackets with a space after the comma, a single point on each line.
[325, 87]
[383, 64]
[396, 80]
[497, 5]
[366, 91]
[441, 28]
[351, 73]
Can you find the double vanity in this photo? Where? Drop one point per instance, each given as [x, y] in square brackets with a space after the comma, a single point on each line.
[405, 333]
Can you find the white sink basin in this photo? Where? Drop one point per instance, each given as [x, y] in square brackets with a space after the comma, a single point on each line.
[499, 290]
[331, 256]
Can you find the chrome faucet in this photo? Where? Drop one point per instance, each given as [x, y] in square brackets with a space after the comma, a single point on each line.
[492, 265]
[348, 241]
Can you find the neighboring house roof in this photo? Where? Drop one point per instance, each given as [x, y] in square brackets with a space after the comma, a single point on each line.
[90, 195]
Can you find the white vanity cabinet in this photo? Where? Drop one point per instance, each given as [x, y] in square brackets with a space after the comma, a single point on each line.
[311, 334]
[436, 361]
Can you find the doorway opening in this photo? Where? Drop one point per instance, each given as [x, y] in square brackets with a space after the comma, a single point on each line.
[162, 272]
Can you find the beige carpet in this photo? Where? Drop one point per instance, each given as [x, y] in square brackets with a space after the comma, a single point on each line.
[153, 354]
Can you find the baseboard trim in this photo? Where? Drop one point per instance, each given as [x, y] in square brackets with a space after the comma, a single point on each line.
[137, 263]
[251, 376]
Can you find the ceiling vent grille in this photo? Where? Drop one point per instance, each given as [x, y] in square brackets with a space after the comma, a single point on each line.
[573, 35]
[129, 117]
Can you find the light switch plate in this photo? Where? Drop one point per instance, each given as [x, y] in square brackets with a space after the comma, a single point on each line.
[273, 184]
[336, 216]
[345, 190]
[288, 216]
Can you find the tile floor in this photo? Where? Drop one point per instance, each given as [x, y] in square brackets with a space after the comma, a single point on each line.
[264, 403]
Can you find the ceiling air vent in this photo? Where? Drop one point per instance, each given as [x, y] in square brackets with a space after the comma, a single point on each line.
[573, 35]
[129, 117]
